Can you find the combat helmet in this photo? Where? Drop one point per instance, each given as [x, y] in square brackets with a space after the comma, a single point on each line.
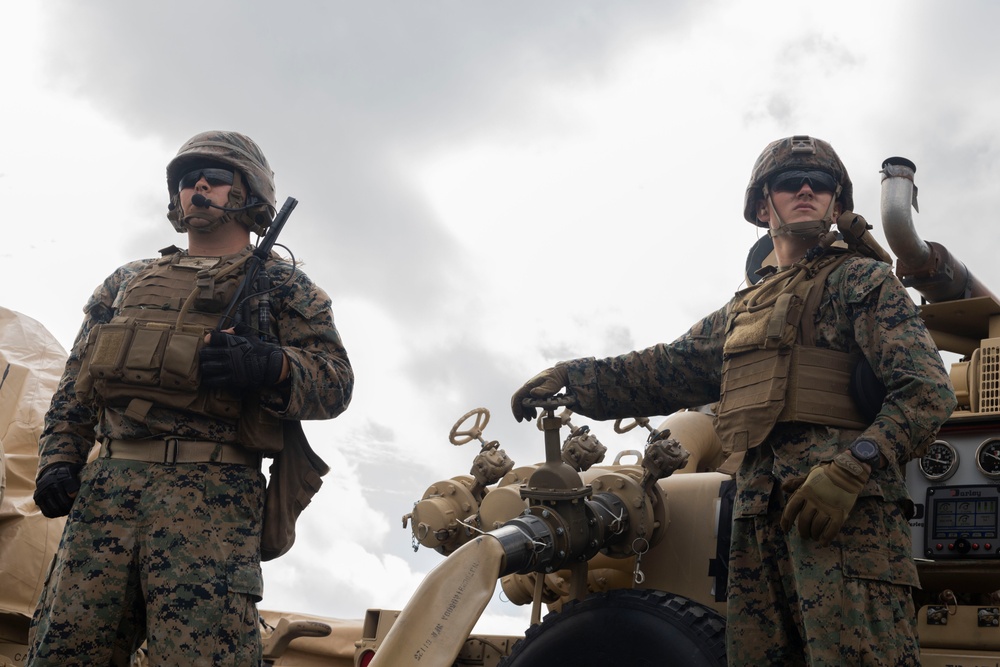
[256, 185]
[797, 152]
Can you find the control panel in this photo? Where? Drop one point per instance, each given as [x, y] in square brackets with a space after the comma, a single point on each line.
[956, 490]
[962, 522]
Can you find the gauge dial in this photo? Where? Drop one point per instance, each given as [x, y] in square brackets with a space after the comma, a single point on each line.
[988, 458]
[941, 461]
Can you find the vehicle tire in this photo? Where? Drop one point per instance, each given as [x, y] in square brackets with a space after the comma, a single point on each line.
[637, 628]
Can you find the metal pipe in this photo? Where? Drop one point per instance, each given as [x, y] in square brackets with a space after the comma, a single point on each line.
[897, 221]
[927, 267]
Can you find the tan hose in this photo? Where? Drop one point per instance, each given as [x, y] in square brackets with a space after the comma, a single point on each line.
[435, 623]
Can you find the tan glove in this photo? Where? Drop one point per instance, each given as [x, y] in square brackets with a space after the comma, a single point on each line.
[545, 384]
[821, 502]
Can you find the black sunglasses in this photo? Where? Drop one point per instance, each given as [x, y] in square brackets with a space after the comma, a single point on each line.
[792, 181]
[213, 175]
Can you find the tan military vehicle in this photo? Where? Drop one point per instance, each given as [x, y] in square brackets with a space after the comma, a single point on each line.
[631, 558]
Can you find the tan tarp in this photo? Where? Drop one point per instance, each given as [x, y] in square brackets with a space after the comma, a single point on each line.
[31, 362]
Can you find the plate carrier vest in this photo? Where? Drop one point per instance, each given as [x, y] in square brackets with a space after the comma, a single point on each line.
[147, 355]
[772, 370]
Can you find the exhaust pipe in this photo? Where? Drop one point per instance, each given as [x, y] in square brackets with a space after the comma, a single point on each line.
[927, 267]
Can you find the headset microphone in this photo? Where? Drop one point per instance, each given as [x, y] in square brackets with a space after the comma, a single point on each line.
[201, 201]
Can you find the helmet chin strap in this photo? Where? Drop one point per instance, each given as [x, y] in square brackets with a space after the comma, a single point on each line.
[212, 225]
[806, 229]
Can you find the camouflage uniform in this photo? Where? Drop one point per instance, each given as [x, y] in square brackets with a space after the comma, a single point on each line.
[792, 601]
[173, 547]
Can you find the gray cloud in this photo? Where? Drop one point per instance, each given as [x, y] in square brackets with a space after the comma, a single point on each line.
[339, 95]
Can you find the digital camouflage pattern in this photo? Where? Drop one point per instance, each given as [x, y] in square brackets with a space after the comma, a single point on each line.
[798, 152]
[864, 308]
[178, 544]
[185, 536]
[849, 599]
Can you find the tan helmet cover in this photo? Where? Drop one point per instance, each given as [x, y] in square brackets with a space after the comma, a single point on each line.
[239, 152]
[798, 152]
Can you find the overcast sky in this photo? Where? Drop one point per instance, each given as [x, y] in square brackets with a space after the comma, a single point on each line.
[485, 188]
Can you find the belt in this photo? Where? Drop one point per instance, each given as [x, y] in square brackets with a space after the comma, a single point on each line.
[173, 451]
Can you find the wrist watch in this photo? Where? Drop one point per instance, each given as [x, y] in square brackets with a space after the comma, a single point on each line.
[867, 451]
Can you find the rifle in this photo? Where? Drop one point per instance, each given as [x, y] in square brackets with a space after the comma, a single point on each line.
[261, 283]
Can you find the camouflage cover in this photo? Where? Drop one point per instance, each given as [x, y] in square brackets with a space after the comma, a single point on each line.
[798, 152]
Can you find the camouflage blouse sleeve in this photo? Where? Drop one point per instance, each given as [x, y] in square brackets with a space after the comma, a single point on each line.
[69, 430]
[656, 381]
[890, 333]
[321, 380]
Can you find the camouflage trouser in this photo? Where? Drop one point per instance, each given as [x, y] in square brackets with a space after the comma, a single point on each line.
[793, 602]
[165, 553]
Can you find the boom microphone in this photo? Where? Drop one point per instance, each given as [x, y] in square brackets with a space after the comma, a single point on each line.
[201, 201]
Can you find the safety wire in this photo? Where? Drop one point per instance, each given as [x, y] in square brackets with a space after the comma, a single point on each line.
[538, 545]
[617, 526]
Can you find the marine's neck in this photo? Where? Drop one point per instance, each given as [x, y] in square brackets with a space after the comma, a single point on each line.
[790, 249]
[228, 239]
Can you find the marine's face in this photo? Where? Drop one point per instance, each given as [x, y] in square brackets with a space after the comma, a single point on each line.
[211, 184]
[802, 205]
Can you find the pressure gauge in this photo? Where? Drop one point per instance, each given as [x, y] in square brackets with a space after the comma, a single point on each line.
[988, 458]
[941, 461]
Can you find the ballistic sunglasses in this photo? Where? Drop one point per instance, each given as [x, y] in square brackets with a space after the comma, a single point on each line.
[792, 181]
[214, 176]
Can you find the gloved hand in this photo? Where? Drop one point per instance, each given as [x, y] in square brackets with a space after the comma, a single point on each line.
[545, 384]
[240, 362]
[56, 489]
[822, 500]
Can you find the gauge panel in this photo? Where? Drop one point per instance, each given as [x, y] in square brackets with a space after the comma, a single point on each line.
[988, 458]
[941, 461]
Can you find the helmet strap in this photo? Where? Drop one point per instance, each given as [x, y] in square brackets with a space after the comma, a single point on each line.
[807, 229]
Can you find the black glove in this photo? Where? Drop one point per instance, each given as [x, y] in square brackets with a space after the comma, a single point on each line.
[238, 362]
[56, 489]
